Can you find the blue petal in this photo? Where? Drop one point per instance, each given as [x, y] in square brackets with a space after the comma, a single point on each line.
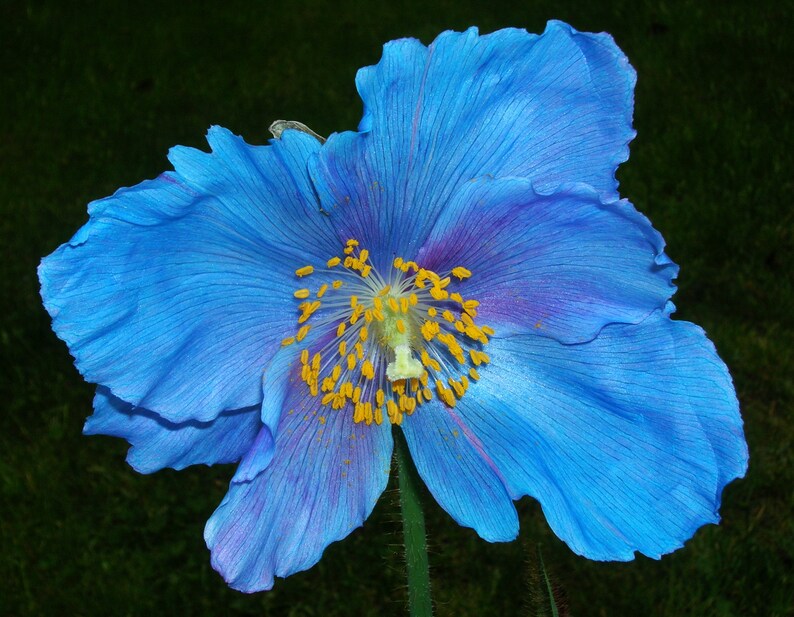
[458, 473]
[177, 292]
[325, 477]
[277, 384]
[626, 441]
[554, 108]
[157, 443]
[563, 264]
[258, 456]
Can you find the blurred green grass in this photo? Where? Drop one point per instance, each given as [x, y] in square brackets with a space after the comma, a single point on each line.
[93, 94]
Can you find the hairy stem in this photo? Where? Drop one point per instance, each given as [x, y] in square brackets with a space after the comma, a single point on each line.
[418, 572]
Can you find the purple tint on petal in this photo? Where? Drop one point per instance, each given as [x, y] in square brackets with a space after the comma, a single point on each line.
[326, 475]
[561, 263]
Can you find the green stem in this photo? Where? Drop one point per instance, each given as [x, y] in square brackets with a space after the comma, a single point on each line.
[549, 590]
[418, 571]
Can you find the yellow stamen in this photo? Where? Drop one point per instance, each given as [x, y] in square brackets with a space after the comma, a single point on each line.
[302, 332]
[393, 411]
[438, 293]
[478, 357]
[302, 294]
[473, 332]
[334, 261]
[304, 271]
[444, 393]
[461, 272]
[429, 329]
[287, 341]
[308, 308]
[470, 307]
[322, 290]
[457, 387]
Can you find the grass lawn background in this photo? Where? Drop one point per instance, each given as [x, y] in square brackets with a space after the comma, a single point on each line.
[92, 95]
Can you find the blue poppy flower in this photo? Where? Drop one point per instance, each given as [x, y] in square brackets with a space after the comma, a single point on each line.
[461, 266]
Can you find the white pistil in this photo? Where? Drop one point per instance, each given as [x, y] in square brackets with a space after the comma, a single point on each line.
[405, 366]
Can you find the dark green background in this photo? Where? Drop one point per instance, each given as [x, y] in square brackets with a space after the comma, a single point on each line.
[91, 97]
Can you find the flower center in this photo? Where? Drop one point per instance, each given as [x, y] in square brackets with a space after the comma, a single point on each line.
[386, 343]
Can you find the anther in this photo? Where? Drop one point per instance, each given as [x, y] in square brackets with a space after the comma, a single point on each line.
[461, 273]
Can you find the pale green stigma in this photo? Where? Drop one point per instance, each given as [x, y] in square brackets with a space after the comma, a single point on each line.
[405, 366]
